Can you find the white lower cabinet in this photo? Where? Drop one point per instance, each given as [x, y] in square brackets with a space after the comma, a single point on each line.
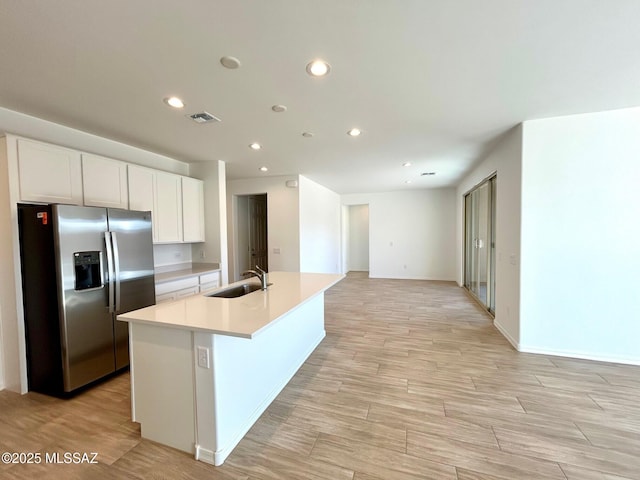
[209, 281]
[184, 287]
[169, 297]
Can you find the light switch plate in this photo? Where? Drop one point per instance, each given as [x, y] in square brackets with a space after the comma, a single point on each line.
[203, 357]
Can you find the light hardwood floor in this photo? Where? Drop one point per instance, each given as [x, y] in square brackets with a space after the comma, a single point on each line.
[411, 382]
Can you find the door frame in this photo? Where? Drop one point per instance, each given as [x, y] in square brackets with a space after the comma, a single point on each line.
[235, 258]
[489, 305]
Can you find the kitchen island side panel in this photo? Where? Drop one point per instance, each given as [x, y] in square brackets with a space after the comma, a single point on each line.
[162, 384]
[248, 374]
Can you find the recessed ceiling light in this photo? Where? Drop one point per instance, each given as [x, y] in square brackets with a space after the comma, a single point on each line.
[307, 134]
[354, 132]
[318, 68]
[174, 102]
[230, 62]
[263, 169]
[279, 108]
[407, 181]
[255, 146]
[406, 164]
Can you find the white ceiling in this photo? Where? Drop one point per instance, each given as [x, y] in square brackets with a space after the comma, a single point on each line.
[433, 82]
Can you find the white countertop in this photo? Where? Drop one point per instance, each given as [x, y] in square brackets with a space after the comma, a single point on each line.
[244, 316]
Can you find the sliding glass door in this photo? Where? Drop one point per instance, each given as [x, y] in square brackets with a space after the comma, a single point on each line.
[480, 212]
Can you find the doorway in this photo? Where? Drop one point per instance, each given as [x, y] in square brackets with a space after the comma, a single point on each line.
[252, 247]
[480, 245]
[356, 243]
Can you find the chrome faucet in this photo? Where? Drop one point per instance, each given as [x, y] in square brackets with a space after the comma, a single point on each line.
[261, 274]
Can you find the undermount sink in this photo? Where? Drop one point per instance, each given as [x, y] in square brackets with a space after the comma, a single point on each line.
[236, 291]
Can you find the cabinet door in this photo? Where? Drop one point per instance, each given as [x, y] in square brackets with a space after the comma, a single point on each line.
[141, 192]
[193, 209]
[168, 207]
[48, 173]
[104, 182]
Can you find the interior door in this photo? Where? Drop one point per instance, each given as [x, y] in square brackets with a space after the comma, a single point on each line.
[258, 232]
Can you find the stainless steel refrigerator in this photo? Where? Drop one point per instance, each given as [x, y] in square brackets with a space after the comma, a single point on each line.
[81, 266]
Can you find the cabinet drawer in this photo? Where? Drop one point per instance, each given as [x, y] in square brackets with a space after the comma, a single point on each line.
[210, 278]
[205, 287]
[165, 297]
[187, 292]
[175, 285]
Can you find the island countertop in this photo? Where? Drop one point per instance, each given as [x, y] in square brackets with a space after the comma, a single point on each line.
[244, 316]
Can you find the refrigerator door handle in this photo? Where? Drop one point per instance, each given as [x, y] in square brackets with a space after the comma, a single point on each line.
[116, 264]
[110, 274]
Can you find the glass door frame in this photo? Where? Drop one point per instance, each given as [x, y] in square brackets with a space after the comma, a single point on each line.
[469, 242]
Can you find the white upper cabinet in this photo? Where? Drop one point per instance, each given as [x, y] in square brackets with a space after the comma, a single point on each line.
[48, 173]
[168, 207]
[141, 192]
[193, 209]
[160, 192]
[51, 174]
[105, 182]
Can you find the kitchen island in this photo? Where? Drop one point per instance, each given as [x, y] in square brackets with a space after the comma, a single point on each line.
[203, 369]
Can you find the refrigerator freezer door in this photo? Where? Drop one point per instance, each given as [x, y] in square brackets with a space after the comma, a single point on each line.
[86, 326]
[40, 299]
[132, 239]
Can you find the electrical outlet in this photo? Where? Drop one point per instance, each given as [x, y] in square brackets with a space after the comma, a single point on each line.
[203, 357]
[202, 254]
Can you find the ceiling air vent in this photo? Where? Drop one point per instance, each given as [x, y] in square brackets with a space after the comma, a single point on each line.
[203, 117]
[425, 174]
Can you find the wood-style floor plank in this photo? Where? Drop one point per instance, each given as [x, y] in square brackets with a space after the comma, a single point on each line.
[411, 382]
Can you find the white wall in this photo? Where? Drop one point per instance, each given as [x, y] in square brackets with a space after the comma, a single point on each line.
[8, 339]
[283, 220]
[411, 233]
[38, 129]
[1, 355]
[214, 248]
[320, 211]
[505, 160]
[171, 253]
[580, 236]
[358, 256]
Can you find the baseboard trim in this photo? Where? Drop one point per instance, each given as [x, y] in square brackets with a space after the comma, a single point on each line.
[205, 455]
[581, 355]
[219, 456]
[564, 353]
[506, 335]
